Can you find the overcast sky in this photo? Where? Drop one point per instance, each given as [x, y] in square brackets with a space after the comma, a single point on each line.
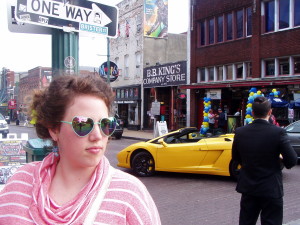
[21, 52]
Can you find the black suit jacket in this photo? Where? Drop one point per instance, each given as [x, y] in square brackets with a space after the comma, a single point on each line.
[257, 147]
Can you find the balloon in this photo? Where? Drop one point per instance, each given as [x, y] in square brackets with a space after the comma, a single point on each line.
[259, 92]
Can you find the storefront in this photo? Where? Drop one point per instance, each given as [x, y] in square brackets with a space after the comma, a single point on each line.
[161, 85]
[128, 106]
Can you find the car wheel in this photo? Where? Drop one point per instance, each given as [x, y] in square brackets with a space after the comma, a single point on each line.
[234, 169]
[143, 164]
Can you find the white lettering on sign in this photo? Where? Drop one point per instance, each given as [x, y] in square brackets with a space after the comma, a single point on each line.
[68, 12]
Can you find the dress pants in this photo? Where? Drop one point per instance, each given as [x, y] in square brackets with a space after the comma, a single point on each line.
[270, 210]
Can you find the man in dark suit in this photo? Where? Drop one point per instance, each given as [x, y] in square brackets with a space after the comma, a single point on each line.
[257, 147]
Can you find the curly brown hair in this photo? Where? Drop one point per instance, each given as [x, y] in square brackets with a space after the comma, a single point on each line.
[49, 105]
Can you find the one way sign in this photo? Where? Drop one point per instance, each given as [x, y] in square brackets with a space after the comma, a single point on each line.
[71, 15]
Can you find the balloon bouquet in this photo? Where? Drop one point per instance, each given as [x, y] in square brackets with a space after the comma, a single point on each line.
[205, 125]
[253, 93]
[274, 93]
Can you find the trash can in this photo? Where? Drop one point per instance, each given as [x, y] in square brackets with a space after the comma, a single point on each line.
[36, 149]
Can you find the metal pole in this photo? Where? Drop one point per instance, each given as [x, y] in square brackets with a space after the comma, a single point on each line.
[108, 62]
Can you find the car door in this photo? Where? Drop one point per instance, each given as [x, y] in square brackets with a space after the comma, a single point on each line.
[181, 157]
[293, 132]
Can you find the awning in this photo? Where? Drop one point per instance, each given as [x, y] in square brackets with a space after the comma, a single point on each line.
[278, 103]
[295, 104]
[242, 83]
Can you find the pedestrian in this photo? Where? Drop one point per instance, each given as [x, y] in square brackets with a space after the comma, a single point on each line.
[272, 120]
[257, 147]
[25, 121]
[211, 119]
[221, 120]
[75, 184]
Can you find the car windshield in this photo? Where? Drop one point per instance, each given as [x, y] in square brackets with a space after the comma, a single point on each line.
[294, 128]
[1, 117]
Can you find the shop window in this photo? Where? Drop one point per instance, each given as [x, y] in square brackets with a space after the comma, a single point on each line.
[239, 24]
[211, 74]
[297, 65]
[229, 72]
[220, 29]
[270, 67]
[269, 15]
[229, 35]
[297, 13]
[118, 93]
[249, 21]
[248, 69]
[211, 31]
[239, 71]
[122, 93]
[138, 64]
[220, 73]
[284, 14]
[284, 66]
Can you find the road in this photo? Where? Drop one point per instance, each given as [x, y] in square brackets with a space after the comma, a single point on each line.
[190, 199]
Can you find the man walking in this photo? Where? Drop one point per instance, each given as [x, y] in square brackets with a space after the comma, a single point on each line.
[257, 147]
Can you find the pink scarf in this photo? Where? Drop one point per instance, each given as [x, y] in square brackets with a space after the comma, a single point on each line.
[44, 211]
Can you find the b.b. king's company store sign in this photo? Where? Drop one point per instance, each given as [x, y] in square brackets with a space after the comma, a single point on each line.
[172, 74]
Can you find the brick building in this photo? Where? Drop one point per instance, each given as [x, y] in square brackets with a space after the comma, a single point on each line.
[239, 44]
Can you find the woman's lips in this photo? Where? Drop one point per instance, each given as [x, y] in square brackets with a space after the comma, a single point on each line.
[94, 150]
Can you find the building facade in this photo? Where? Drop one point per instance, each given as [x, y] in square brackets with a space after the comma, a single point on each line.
[239, 44]
[138, 49]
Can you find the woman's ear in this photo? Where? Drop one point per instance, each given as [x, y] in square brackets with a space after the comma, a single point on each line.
[53, 133]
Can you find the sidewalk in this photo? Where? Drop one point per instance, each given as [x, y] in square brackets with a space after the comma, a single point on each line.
[140, 135]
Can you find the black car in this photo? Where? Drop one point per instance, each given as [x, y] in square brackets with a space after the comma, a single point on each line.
[293, 132]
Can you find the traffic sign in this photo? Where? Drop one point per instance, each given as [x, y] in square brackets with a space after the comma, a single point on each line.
[78, 15]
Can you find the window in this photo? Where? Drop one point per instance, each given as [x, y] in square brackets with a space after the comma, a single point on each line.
[126, 66]
[248, 70]
[211, 31]
[249, 21]
[211, 74]
[229, 26]
[297, 12]
[138, 64]
[239, 71]
[269, 16]
[284, 14]
[284, 66]
[220, 29]
[202, 33]
[201, 75]
[270, 67]
[297, 65]
[229, 72]
[239, 24]
[220, 73]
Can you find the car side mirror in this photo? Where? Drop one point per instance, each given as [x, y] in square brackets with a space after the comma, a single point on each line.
[161, 141]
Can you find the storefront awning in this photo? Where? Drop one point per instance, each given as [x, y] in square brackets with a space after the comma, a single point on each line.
[295, 104]
[278, 103]
[248, 83]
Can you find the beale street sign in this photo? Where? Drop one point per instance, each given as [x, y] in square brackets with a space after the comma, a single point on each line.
[70, 15]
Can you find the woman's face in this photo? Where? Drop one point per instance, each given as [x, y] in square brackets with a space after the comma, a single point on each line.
[87, 151]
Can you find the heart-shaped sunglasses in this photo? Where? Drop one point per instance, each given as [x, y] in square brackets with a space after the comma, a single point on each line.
[82, 126]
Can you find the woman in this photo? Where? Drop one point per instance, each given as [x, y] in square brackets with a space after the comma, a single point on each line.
[75, 183]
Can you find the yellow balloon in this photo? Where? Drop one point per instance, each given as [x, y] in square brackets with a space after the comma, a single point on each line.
[205, 114]
[248, 116]
[258, 92]
[251, 94]
[274, 90]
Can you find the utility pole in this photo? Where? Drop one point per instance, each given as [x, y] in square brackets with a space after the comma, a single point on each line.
[108, 62]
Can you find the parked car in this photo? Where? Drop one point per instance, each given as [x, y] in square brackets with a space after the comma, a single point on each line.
[293, 132]
[183, 151]
[119, 129]
[4, 130]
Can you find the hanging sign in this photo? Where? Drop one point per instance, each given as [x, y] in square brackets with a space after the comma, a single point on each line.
[114, 71]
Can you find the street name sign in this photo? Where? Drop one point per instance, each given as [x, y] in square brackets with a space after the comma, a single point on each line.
[74, 15]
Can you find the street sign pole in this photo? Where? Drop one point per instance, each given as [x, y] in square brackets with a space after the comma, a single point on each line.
[64, 53]
[108, 62]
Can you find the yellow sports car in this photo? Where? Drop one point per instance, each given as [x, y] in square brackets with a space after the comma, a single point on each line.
[183, 151]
